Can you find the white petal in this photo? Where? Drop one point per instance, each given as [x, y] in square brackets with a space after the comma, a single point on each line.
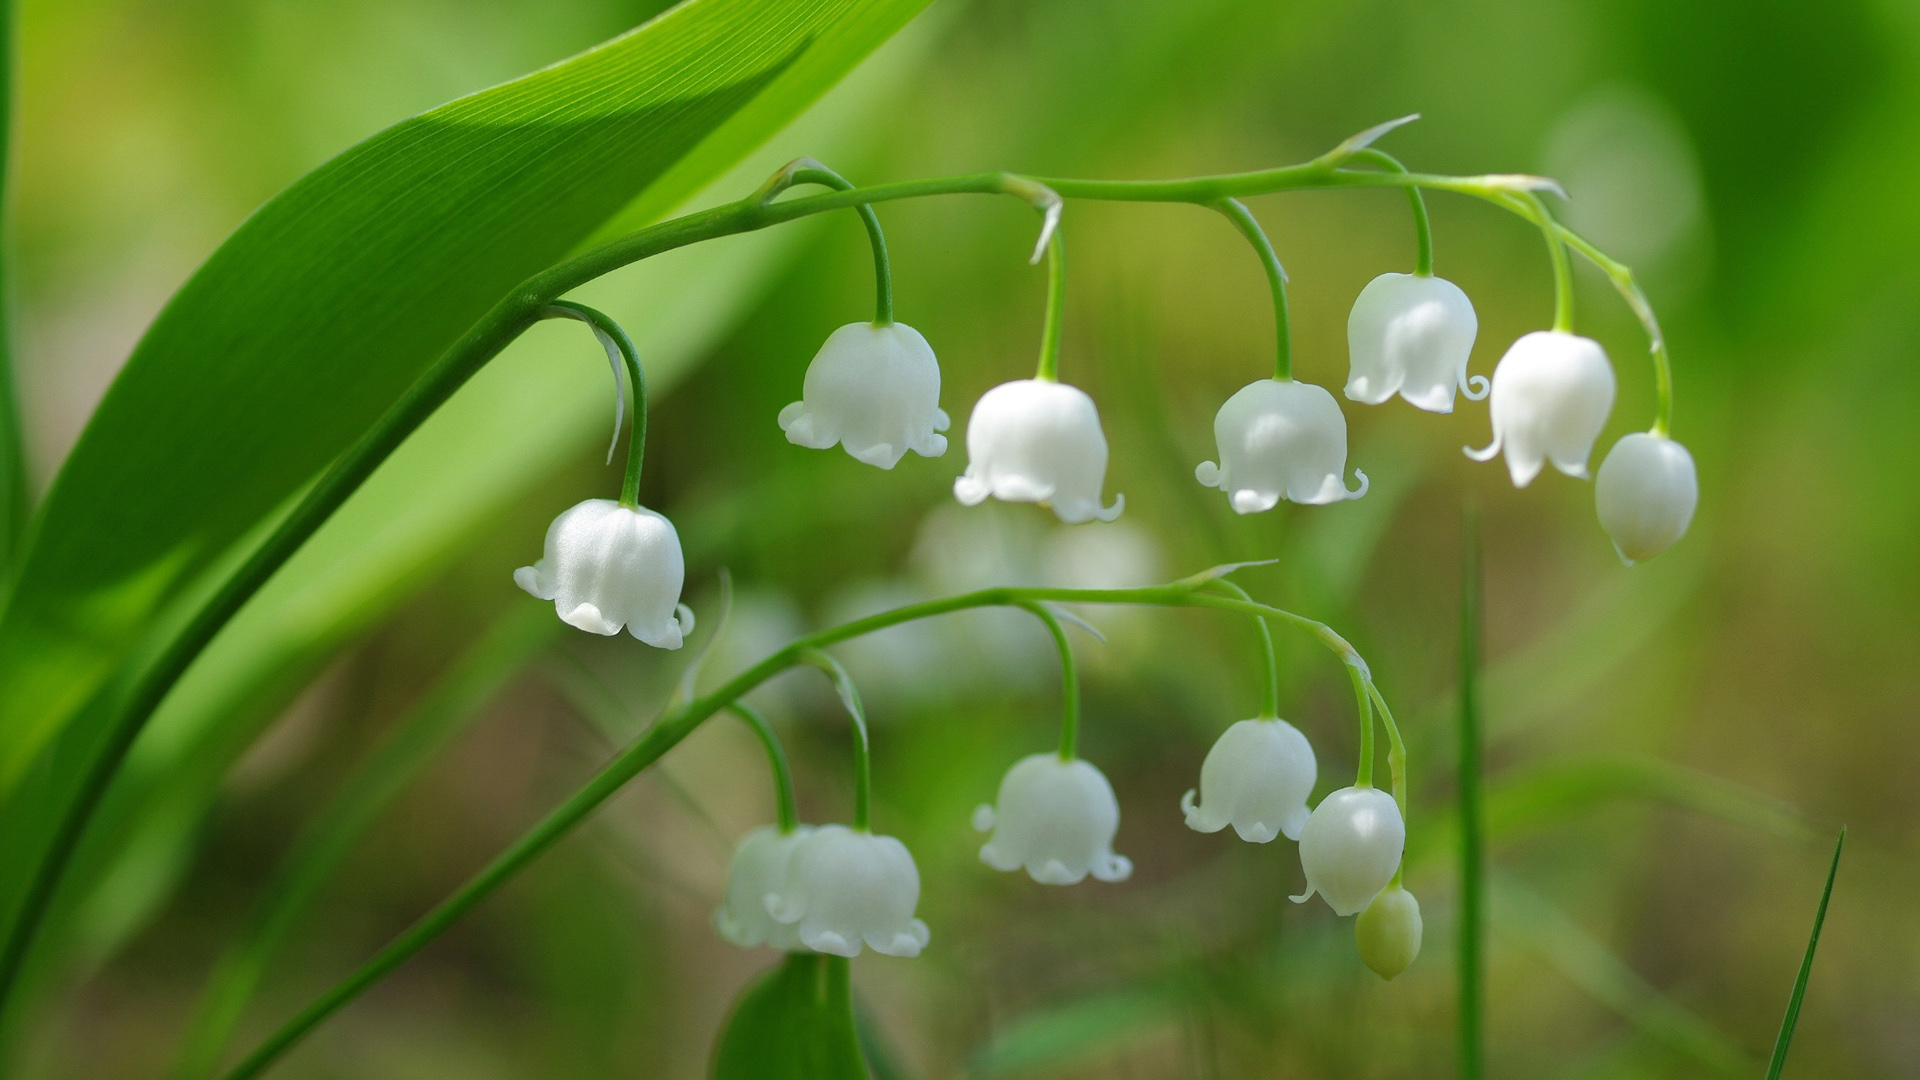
[1057, 819]
[1038, 441]
[1646, 494]
[876, 390]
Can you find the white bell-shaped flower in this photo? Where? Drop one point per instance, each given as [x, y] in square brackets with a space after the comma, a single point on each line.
[1256, 778]
[1410, 335]
[1388, 932]
[1038, 441]
[607, 566]
[1280, 439]
[1351, 847]
[1056, 818]
[1646, 492]
[845, 887]
[874, 388]
[758, 870]
[1552, 392]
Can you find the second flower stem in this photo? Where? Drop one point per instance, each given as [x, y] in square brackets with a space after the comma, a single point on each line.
[1270, 692]
[1053, 327]
[776, 759]
[1069, 680]
[1249, 226]
[862, 749]
[617, 342]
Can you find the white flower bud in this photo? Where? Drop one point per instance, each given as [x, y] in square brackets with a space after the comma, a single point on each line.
[1038, 441]
[1645, 494]
[1256, 778]
[1056, 818]
[875, 389]
[607, 566]
[758, 870]
[845, 887]
[1351, 847]
[1280, 439]
[1410, 335]
[1388, 932]
[1552, 392]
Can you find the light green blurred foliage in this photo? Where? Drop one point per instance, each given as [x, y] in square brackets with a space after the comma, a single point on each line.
[1656, 929]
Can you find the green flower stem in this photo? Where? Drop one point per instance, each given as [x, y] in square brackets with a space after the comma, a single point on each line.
[1422, 228]
[1562, 272]
[1270, 691]
[776, 760]
[862, 745]
[1069, 681]
[621, 347]
[683, 721]
[1053, 327]
[1249, 227]
[1363, 776]
[1629, 289]
[1396, 761]
[1470, 957]
[809, 171]
[130, 699]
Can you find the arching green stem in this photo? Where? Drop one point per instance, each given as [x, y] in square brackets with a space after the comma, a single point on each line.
[809, 171]
[1363, 777]
[1562, 272]
[776, 759]
[1629, 289]
[1069, 680]
[1270, 697]
[620, 351]
[1422, 228]
[1396, 759]
[862, 750]
[1249, 227]
[1054, 326]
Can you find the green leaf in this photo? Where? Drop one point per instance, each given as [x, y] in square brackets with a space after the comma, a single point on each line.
[13, 458]
[1792, 1019]
[1469, 954]
[1078, 1032]
[319, 313]
[796, 1023]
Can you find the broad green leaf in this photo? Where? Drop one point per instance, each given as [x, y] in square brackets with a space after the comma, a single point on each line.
[1077, 1033]
[322, 309]
[1784, 1042]
[796, 1023]
[545, 401]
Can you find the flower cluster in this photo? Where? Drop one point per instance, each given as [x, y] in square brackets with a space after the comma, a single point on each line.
[828, 889]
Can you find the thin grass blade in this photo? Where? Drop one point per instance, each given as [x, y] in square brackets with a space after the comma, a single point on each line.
[1792, 1019]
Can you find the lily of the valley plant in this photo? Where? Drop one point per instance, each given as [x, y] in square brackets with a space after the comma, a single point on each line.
[873, 389]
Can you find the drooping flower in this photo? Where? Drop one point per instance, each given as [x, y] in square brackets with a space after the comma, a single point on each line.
[1388, 932]
[845, 887]
[1410, 335]
[1280, 439]
[1057, 819]
[874, 388]
[1038, 441]
[1351, 847]
[758, 870]
[1552, 392]
[1645, 493]
[606, 566]
[1256, 778]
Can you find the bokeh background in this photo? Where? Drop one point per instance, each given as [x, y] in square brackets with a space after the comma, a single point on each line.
[1670, 747]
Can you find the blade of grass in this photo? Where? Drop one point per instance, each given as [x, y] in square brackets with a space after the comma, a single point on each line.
[13, 457]
[1792, 1019]
[1472, 901]
[453, 702]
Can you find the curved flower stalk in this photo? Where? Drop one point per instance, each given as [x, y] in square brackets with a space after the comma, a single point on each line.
[1387, 933]
[845, 888]
[1552, 392]
[1350, 847]
[1038, 441]
[1280, 439]
[1645, 494]
[1256, 778]
[1055, 815]
[873, 388]
[1412, 335]
[1056, 818]
[608, 566]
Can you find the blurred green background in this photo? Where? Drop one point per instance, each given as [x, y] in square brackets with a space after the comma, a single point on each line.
[1670, 747]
